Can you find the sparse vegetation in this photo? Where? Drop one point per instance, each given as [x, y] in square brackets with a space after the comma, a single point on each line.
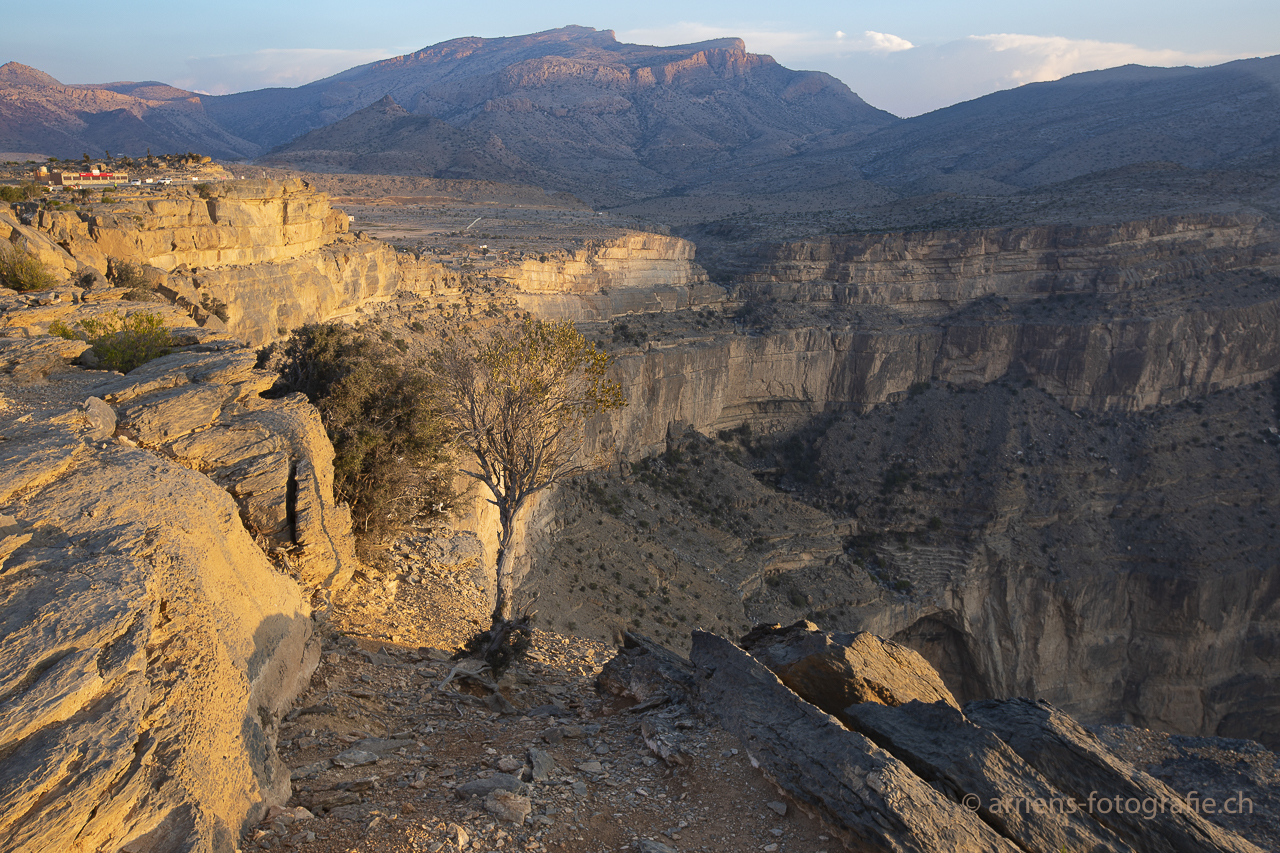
[24, 192]
[121, 343]
[392, 459]
[128, 274]
[22, 271]
[517, 398]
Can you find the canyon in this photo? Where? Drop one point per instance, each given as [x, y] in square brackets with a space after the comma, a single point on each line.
[999, 384]
[1042, 457]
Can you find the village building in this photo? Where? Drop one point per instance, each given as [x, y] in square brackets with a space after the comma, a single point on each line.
[95, 177]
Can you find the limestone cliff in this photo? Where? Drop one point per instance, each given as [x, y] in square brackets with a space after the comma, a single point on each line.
[633, 274]
[268, 255]
[957, 266]
[783, 376]
[150, 644]
[632, 261]
[264, 301]
[1109, 584]
[636, 273]
[238, 223]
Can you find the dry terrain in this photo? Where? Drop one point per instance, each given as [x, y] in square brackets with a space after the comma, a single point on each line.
[382, 686]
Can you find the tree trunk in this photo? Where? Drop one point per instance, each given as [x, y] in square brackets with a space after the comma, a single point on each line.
[502, 598]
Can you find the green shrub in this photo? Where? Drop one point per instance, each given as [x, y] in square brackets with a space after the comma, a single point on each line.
[121, 343]
[22, 271]
[392, 461]
[205, 190]
[26, 192]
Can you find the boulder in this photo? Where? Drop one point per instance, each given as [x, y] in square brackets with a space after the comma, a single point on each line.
[504, 805]
[1114, 792]
[836, 670]
[863, 793]
[977, 769]
[646, 674]
[101, 419]
[486, 786]
[541, 764]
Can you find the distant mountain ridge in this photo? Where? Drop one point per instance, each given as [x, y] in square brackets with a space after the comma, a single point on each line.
[564, 68]
[1043, 133]
[38, 113]
[588, 113]
[574, 109]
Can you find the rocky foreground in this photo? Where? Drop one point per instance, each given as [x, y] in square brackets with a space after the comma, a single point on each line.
[583, 747]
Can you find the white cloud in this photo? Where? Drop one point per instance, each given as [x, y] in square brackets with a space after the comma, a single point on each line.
[928, 77]
[1045, 58]
[220, 75]
[891, 72]
[884, 42]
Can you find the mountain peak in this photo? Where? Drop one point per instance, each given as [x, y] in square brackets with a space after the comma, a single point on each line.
[17, 74]
[388, 106]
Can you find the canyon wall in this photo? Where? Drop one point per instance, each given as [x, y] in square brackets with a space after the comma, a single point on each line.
[254, 258]
[233, 223]
[264, 301]
[784, 376]
[956, 266]
[916, 308]
[636, 273]
[1062, 581]
[636, 260]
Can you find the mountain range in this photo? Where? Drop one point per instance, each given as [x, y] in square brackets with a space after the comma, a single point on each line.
[574, 109]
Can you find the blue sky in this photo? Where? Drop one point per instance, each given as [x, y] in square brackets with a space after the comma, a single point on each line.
[907, 56]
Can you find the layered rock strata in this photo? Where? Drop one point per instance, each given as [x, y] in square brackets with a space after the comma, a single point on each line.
[783, 376]
[1012, 775]
[957, 266]
[150, 645]
[256, 258]
[635, 273]
[233, 223]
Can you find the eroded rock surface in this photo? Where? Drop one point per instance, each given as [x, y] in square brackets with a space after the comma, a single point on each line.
[863, 792]
[149, 644]
[1018, 775]
[836, 670]
[1078, 764]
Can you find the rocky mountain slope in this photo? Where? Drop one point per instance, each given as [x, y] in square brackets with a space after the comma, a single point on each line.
[40, 114]
[689, 133]
[572, 108]
[1046, 133]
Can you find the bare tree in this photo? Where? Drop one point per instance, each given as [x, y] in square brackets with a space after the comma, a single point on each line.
[518, 398]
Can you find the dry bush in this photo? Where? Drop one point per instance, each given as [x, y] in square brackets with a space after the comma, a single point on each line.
[21, 271]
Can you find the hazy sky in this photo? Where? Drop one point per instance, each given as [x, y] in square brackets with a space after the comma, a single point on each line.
[906, 56]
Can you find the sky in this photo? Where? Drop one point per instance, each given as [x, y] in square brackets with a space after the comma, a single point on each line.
[905, 56]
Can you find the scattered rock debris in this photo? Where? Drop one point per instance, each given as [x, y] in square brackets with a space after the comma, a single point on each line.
[387, 760]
